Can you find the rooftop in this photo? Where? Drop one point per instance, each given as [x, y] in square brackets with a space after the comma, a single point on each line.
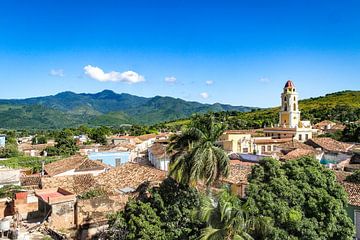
[129, 175]
[352, 189]
[297, 153]
[77, 162]
[55, 195]
[158, 150]
[330, 144]
[289, 84]
[238, 174]
[295, 144]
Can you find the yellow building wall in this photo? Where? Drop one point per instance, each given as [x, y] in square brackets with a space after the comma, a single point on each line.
[285, 118]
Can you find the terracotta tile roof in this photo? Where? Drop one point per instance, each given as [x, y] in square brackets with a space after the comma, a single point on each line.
[128, 175]
[289, 84]
[30, 180]
[242, 163]
[76, 162]
[238, 174]
[330, 144]
[352, 189]
[297, 153]
[158, 150]
[295, 144]
[324, 123]
[39, 147]
[147, 136]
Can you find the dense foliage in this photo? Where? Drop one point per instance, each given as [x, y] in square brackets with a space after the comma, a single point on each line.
[10, 149]
[341, 106]
[39, 139]
[9, 191]
[301, 197]
[92, 193]
[195, 155]
[351, 133]
[226, 218]
[170, 212]
[26, 162]
[65, 144]
[354, 177]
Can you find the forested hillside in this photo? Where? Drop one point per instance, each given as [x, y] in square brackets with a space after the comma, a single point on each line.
[69, 109]
[340, 106]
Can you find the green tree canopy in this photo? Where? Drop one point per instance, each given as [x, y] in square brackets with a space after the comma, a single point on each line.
[226, 218]
[301, 197]
[196, 155]
[170, 212]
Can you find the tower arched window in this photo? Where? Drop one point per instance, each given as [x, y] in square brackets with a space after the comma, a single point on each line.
[285, 98]
[294, 106]
[285, 107]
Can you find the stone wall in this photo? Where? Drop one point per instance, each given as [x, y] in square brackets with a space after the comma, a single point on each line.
[62, 215]
[76, 184]
[96, 210]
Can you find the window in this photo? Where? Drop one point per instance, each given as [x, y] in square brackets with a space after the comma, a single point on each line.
[263, 149]
[294, 98]
[306, 136]
[294, 106]
[245, 150]
[285, 107]
[269, 148]
[285, 99]
[300, 137]
[117, 162]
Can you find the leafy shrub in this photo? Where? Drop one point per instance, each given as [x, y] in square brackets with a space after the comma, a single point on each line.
[96, 192]
[9, 191]
[354, 177]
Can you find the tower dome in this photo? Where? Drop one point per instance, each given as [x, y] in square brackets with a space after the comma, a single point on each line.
[289, 84]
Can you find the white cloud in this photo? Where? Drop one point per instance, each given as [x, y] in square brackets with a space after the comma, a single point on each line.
[113, 76]
[204, 95]
[209, 82]
[170, 79]
[57, 72]
[264, 80]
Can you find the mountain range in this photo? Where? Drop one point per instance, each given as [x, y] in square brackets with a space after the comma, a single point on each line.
[68, 109]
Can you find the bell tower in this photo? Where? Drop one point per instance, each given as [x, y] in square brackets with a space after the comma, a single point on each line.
[289, 115]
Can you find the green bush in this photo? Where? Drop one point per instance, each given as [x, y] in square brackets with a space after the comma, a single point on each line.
[9, 191]
[354, 177]
[96, 192]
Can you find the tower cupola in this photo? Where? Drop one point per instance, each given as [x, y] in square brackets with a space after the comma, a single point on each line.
[289, 114]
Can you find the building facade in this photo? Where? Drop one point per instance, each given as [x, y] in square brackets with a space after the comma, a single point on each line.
[2, 140]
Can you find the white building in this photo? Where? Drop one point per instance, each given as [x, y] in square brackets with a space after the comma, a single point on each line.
[2, 140]
[158, 156]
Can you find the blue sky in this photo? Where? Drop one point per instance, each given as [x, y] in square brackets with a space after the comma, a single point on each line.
[236, 52]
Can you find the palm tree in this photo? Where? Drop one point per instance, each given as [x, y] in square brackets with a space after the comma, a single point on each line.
[195, 154]
[226, 218]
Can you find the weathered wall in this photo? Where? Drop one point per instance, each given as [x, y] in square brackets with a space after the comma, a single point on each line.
[76, 184]
[6, 208]
[96, 210]
[27, 210]
[62, 215]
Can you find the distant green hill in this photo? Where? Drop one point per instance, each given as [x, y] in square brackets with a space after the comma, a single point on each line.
[68, 109]
[340, 106]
